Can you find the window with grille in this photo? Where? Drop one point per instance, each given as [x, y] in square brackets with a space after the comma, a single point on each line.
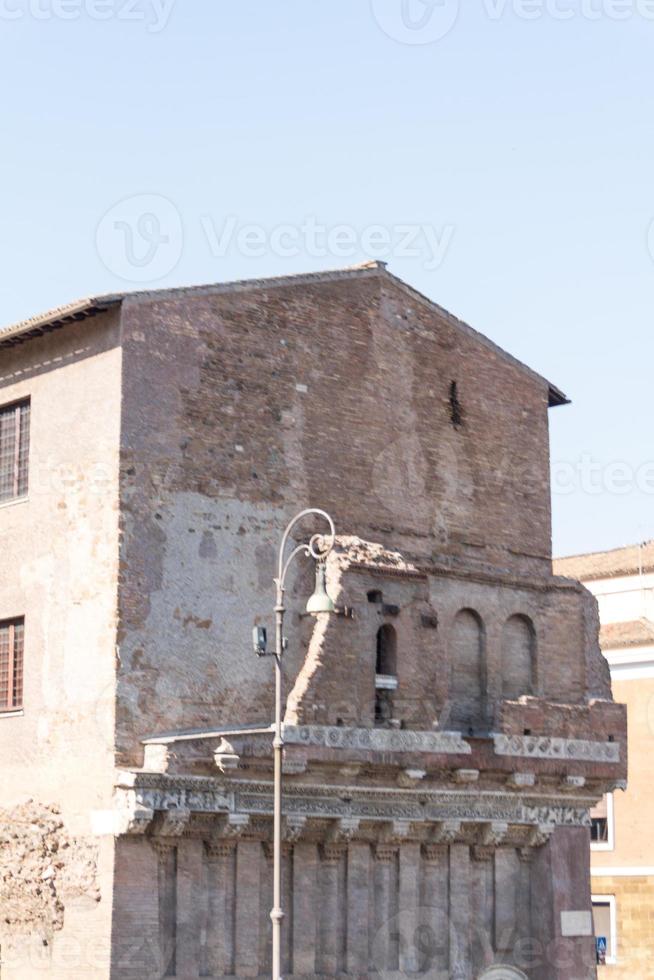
[12, 635]
[601, 825]
[14, 449]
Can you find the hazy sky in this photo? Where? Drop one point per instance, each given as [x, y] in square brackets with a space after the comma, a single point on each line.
[498, 156]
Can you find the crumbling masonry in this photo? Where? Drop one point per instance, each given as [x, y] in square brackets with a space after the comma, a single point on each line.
[446, 730]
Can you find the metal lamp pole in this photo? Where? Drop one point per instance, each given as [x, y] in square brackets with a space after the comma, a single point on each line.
[319, 602]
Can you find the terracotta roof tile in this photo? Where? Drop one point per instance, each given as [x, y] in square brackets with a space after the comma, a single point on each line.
[607, 564]
[636, 633]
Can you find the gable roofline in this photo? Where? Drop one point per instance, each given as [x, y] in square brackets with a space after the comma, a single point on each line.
[60, 316]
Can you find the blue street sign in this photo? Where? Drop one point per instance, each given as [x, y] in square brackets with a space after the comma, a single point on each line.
[600, 945]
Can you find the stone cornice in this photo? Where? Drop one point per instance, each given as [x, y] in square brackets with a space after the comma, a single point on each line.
[167, 805]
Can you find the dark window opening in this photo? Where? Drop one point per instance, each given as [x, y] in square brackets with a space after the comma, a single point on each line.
[599, 830]
[456, 413]
[383, 707]
[14, 449]
[12, 633]
[375, 596]
[385, 671]
[386, 662]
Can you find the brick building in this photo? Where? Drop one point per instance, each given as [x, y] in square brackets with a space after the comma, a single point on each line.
[447, 731]
[622, 839]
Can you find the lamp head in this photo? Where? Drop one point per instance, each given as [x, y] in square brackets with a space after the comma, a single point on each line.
[320, 601]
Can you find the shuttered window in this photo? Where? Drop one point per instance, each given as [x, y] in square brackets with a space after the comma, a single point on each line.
[14, 449]
[12, 635]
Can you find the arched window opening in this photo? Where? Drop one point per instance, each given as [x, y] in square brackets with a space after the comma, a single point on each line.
[385, 674]
[518, 657]
[386, 650]
[467, 681]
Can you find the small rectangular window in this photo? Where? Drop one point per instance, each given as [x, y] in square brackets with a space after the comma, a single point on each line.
[14, 449]
[12, 637]
[601, 825]
[605, 925]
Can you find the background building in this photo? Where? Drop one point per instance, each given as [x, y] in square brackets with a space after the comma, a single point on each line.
[447, 730]
[622, 858]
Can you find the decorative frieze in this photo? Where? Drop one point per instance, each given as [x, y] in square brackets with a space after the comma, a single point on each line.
[546, 747]
[405, 813]
[376, 739]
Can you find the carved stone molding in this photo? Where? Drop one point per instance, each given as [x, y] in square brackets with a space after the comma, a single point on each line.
[232, 826]
[332, 851]
[386, 851]
[345, 829]
[172, 822]
[376, 739]
[521, 780]
[464, 776]
[162, 847]
[218, 850]
[540, 835]
[483, 852]
[293, 827]
[190, 804]
[409, 778]
[546, 747]
[137, 819]
[446, 832]
[395, 832]
[433, 853]
[494, 833]
[573, 782]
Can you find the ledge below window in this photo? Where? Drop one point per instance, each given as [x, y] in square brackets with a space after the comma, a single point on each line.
[12, 713]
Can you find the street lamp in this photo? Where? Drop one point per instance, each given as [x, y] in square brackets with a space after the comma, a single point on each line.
[319, 602]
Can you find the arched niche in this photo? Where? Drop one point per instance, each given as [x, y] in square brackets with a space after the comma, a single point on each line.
[518, 657]
[467, 671]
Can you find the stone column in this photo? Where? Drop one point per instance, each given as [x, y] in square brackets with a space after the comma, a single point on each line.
[435, 901]
[358, 897]
[561, 907]
[409, 902]
[330, 932]
[460, 911]
[246, 952]
[384, 952]
[221, 858]
[508, 899]
[189, 907]
[305, 907]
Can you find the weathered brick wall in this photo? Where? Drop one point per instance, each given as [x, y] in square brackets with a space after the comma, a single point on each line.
[240, 406]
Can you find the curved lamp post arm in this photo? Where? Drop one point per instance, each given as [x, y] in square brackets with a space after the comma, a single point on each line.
[310, 549]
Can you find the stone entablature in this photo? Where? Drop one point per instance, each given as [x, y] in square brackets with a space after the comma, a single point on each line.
[168, 805]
